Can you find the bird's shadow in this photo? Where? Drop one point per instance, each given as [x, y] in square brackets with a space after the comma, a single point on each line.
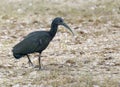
[54, 66]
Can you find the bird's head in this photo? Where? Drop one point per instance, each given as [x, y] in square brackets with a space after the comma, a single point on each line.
[60, 21]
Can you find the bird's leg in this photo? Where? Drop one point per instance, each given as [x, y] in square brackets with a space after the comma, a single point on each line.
[39, 61]
[29, 61]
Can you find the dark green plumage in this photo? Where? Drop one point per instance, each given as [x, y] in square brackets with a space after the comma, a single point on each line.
[34, 42]
[37, 41]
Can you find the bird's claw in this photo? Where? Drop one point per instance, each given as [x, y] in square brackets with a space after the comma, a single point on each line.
[37, 66]
[30, 63]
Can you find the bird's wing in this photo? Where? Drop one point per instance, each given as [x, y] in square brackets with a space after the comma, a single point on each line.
[34, 42]
[43, 42]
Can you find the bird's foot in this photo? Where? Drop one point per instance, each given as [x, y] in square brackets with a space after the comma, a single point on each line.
[37, 66]
[30, 63]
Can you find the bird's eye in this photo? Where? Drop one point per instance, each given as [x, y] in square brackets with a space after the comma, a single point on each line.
[61, 20]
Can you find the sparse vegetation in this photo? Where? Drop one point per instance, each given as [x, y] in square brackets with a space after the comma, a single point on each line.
[90, 59]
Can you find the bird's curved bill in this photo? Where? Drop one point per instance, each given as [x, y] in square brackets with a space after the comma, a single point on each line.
[65, 25]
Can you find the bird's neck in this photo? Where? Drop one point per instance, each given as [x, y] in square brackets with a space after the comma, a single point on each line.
[53, 29]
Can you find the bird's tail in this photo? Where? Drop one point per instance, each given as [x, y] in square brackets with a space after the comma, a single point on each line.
[17, 56]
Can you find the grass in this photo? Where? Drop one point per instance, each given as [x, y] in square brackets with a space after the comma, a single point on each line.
[98, 10]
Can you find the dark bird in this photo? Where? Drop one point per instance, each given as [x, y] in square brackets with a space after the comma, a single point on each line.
[37, 41]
